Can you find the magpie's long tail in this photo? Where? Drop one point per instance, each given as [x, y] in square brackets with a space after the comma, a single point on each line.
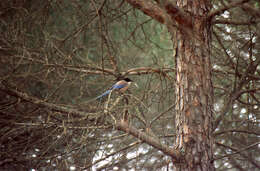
[98, 97]
[104, 94]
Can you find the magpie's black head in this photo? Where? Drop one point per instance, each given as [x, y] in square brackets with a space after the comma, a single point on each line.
[128, 80]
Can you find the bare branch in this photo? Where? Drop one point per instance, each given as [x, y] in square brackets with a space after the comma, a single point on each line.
[231, 22]
[235, 130]
[237, 151]
[147, 70]
[150, 9]
[172, 13]
[227, 7]
[13, 92]
[124, 126]
[112, 154]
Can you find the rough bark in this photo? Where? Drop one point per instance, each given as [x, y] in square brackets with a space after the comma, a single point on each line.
[194, 87]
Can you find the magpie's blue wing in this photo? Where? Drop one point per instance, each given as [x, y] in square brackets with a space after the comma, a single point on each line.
[118, 86]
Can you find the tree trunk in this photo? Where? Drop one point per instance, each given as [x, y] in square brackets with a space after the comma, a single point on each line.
[194, 88]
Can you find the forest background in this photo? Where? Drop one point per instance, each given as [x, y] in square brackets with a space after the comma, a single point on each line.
[57, 56]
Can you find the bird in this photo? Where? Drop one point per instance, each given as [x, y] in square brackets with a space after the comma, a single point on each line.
[121, 86]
